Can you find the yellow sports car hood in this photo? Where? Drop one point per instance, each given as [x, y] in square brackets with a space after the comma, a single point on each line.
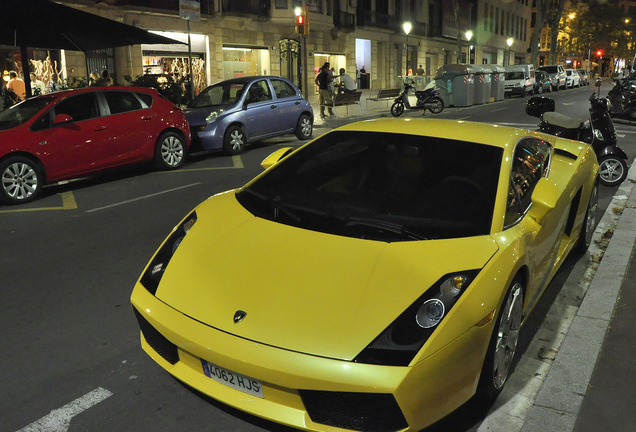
[303, 290]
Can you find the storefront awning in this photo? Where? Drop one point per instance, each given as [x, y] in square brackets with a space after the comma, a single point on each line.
[47, 25]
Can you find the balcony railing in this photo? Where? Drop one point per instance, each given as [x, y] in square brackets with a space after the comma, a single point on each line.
[207, 6]
[344, 20]
[246, 7]
[370, 19]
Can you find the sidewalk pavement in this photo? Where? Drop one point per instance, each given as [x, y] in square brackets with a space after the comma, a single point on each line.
[591, 384]
[351, 113]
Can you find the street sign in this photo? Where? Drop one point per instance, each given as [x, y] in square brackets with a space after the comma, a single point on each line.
[190, 10]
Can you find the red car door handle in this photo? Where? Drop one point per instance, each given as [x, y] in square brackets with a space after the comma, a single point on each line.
[100, 128]
[146, 118]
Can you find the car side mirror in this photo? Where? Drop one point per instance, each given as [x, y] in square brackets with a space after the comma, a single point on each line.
[276, 157]
[61, 119]
[544, 199]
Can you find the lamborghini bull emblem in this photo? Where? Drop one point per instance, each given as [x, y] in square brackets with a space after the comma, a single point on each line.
[239, 316]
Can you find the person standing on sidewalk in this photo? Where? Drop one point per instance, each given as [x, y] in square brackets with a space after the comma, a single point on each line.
[322, 81]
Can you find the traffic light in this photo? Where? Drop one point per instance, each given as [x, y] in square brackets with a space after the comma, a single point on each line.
[599, 53]
[300, 24]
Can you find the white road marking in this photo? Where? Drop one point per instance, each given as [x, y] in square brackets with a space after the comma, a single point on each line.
[142, 197]
[59, 420]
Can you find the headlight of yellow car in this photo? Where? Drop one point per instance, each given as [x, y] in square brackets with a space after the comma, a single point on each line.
[152, 276]
[401, 341]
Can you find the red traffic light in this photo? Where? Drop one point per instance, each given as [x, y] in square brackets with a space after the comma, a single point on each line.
[300, 25]
[599, 53]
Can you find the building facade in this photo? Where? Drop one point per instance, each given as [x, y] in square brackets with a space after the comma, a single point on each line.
[258, 37]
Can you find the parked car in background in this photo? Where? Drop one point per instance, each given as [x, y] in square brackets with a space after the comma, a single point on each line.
[557, 73]
[70, 133]
[573, 79]
[543, 82]
[585, 76]
[519, 80]
[230, 114]
[357, 312]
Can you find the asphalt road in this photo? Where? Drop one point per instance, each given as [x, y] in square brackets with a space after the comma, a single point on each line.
[70, 343]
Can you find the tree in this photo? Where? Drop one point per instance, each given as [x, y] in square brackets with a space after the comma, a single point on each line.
[548, 14]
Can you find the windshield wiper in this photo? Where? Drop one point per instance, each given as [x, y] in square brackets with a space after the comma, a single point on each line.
[384, 226]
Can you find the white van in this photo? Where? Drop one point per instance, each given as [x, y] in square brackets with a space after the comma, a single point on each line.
[519, 80]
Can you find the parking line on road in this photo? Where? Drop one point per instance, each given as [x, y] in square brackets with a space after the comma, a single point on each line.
[142, 197]
[59, 420]
[237, 163]
[68, 203]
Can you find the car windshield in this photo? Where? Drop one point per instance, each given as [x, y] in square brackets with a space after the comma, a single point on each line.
[514, 75]
[22, 112]
[219, 94]
[381, 186]
[549, 69]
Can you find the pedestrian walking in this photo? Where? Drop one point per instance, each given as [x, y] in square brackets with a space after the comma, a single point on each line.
[322, 81]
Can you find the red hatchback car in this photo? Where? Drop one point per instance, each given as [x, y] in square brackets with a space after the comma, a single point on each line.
[71, 133]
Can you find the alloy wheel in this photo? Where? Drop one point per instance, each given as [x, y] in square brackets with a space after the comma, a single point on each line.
[172, 151]
[507, 335]
[20, 181]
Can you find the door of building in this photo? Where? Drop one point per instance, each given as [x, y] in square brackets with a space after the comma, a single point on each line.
[290, 60]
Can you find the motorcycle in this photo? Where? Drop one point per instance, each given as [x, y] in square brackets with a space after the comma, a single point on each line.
[598, 131]
[623, 100]
[429, 98]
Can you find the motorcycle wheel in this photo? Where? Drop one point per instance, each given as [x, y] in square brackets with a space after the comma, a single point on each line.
[612, 170]
[397, 109]
[437, 105]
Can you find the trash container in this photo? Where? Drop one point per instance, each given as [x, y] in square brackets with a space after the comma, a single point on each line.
[456, 84]
[482, 83]
[498, 82]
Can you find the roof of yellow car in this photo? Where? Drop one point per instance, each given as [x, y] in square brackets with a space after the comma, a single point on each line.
[483, 133]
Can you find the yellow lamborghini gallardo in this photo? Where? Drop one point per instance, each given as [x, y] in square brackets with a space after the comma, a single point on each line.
[374, 279]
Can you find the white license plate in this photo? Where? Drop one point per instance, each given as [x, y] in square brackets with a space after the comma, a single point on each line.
[232, 379]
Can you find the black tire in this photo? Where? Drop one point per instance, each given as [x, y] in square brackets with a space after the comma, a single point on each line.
[438, 106]
[304, 127]
[235, 140]
[612, 170]
[503, 343]
[397, 109]
[170, 151]
[22, 180]
[589, 222]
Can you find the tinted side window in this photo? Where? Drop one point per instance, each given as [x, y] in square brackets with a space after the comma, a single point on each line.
[146, 98]
[259, 92]
[121, 101]
[283, 89]
[530, 162]
[80, 107]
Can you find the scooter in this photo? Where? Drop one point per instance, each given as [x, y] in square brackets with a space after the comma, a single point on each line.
[623, 100]
[598, 131]
[428, 98]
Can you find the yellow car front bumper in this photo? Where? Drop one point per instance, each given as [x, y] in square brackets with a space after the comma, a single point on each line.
[405, 398]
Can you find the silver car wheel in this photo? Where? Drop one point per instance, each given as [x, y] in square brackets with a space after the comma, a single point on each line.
[305, 126]
[237, 140]
[590, 221]
[508, 330]
[172, 151]
[20, 181]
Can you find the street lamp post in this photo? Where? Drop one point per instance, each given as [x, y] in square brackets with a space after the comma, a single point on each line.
[407, 29]
[509, 42]
[469, 36]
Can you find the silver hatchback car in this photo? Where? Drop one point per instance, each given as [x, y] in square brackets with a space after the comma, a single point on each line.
[232, 113]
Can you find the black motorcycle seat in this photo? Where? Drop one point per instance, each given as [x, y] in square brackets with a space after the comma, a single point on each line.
[563, 121]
